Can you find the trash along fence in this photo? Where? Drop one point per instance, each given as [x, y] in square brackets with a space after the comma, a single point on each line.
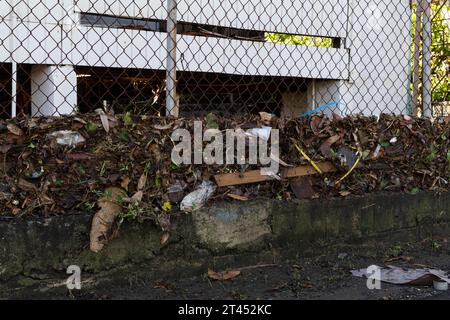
[69, 164]
[179, 57]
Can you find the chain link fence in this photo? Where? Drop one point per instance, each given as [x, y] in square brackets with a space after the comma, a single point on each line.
[181, 58]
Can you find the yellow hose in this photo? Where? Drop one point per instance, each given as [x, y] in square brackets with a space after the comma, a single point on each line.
[350, 171]
[315, 166]
[309, 159]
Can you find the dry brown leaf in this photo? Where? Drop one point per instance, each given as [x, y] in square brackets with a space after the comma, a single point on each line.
[15, 129]
[325, 148]
[302, 187]
[112, 121]
[45, 199]
[125, 182]
[14, 139]
[80, 156]
[4, 148]
[105, 121]
[224, 275]
[76, 126]
[316, 123]
[161, 127]
[104, 219]
[164, 238]
[345, 193]
[447, 119]
[237, 197]
[137, 197]
[278, 160]
[154, 149]
[266, 118]
[142, 182]
[26, 186]
[79, 120]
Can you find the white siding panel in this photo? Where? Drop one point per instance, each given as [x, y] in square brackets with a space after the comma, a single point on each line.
[32, 42]
[49, 11]
[310, 17]
[5, 39]
[105, 47]
[113, 48]
[250, 58]
[152, 9]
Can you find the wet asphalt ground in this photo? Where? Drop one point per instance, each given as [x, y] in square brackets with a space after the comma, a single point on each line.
[325, 276]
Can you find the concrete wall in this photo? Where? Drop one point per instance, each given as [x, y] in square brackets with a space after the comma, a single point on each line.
[33, 247]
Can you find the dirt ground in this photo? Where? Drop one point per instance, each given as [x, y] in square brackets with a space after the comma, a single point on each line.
[325, 276]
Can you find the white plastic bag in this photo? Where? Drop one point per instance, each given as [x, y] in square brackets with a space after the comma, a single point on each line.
[196, 199]
[67, 137]
[262, 133]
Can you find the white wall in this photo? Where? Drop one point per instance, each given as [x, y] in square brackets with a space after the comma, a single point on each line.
[62, 40]
[379, 60]
[375, 60]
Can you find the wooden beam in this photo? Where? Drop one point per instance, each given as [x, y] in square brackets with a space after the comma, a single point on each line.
[254, 176]
[301, 171]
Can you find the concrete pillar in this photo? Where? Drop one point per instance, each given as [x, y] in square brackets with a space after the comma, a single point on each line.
[53, 90]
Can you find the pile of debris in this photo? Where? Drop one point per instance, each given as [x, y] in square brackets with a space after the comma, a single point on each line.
[58, 165]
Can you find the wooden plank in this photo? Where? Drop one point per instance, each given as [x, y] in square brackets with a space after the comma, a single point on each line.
[254, 176]
[307, 170]
[233, 179]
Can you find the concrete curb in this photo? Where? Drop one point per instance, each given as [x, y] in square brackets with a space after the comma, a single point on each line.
[35, 248]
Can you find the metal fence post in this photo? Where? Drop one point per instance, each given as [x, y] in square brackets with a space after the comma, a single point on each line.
[171, 70]
[13, 90]
[426, 59]
[416, 72]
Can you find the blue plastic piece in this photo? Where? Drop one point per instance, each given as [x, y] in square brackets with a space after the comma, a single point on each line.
[320, 109]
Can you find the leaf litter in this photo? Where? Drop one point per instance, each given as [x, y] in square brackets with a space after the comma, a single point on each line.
[54, 166]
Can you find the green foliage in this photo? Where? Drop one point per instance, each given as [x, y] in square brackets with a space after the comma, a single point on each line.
[132, 212]
[124, 136]
[91, 127]
[394, 251]
[127, 119]
[440, 51]
[299, 40]
[432, 155]
[158, 180]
